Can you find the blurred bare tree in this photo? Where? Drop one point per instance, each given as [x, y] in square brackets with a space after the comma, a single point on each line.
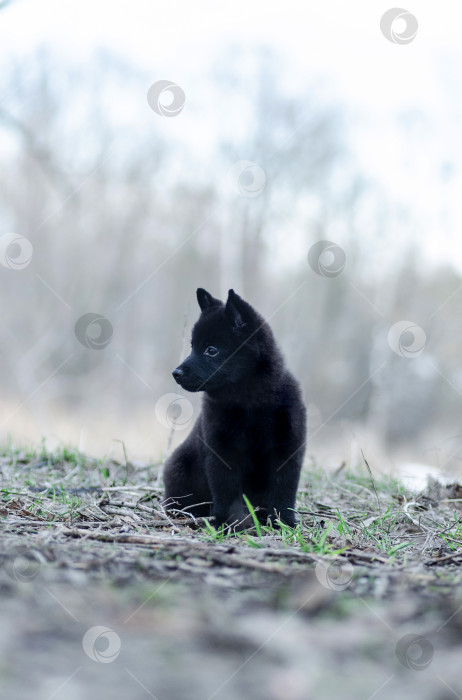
[127, 222]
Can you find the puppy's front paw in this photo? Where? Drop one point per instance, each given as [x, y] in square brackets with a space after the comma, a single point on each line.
[218, 520]
[285, 515]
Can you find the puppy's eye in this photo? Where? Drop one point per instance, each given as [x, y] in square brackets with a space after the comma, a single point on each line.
[211, 351]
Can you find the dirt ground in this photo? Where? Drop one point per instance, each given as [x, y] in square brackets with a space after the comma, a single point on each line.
[103, 595]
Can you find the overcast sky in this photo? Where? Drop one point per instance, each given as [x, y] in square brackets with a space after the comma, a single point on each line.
[337, 45]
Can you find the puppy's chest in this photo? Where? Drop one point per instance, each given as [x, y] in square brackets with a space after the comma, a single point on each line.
[246, 431]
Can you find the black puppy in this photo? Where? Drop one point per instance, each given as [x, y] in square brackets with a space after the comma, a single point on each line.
[250, 435]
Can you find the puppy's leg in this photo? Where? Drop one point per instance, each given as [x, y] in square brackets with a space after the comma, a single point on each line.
[282, 493]
[185, 481]
[226, 488]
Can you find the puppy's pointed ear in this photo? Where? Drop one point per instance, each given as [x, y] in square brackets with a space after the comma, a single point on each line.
[236, 309]
[206, 301]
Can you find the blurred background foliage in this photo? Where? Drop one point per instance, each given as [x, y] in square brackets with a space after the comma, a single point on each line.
[129, 212]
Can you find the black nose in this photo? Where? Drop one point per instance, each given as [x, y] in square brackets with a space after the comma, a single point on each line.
[177, 373]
